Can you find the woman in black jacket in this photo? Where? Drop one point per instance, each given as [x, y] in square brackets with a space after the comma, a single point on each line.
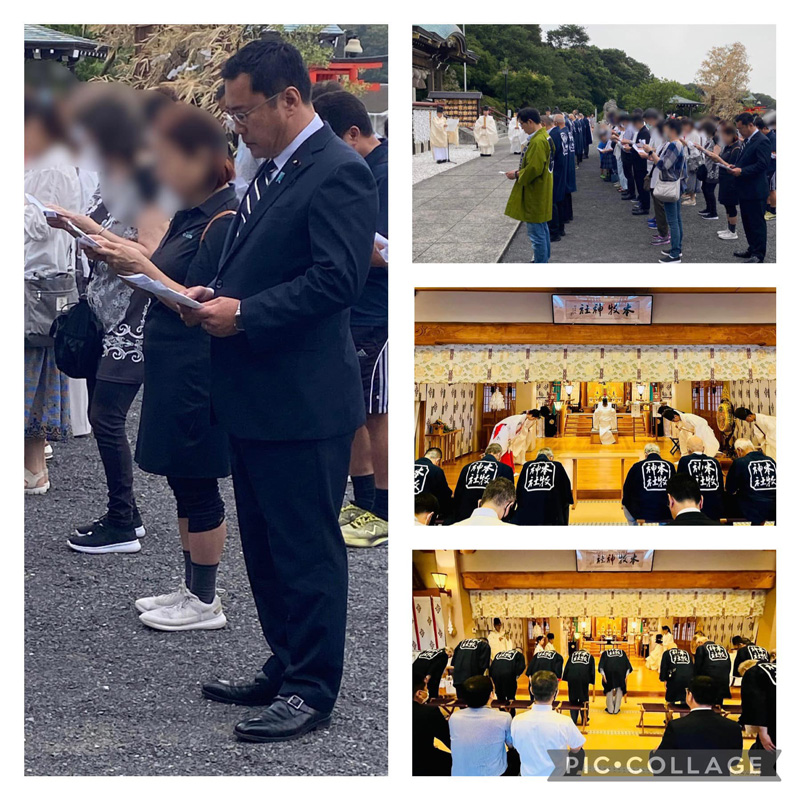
[176, 436]
[728, 193]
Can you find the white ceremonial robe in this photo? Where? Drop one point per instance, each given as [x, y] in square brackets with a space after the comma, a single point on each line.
[692, 425]
[439, 137]
[604, 420]
[506, 430]
[516, 136]
[485, 131]
[521, 443]
[654, 658]
[766, 436]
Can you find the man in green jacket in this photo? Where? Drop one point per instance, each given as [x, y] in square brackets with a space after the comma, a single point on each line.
[531, 197]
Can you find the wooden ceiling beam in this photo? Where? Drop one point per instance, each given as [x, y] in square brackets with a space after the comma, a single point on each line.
[745, 579]
[533, 333]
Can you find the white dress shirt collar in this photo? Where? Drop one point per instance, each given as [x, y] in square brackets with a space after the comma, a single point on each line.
[287, 152]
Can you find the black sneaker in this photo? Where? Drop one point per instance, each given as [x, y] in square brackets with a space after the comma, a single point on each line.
[103, 537]
[137, 523]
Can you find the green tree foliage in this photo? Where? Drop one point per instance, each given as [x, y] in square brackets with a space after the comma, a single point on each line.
[765, 100]
[568, 36]
[656, 93]
[582, 76]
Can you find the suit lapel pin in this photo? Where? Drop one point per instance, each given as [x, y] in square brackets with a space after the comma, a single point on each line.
[280, 177]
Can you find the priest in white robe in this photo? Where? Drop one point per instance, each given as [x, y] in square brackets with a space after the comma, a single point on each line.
[439, 136]
[485, 131]
[764, 428]
[525, 439]
[516, 136]
[688, 425]
[504, 433]
[604, 421]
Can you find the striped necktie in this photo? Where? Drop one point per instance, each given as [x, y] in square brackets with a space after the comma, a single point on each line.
[255, 192]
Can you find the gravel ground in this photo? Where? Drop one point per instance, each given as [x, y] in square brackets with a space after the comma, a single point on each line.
[604, 230]
[106, 696]
[423, 166]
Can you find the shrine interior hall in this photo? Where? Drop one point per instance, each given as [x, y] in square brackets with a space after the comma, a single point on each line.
[706, 352]
[723, 593]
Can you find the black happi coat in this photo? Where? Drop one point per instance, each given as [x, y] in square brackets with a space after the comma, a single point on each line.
[550, 660]
[474, 478]
[676, 671]
[430, 478]
[614, 664]
[746, 653]
[559, 166]
[504, 671]
[544, 493]
[645, 491]
[579, 674]
[432, 663]
[751, 487]
[759, 688]
[470, 657]
[713, 660]
[708, 474]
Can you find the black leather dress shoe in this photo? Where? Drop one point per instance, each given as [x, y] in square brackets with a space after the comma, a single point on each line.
[287, 718]
[754, 260]
[259, 692]
[743, 254]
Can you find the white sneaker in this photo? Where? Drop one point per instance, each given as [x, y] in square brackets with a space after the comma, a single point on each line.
[161, 600]
[48, 451]
[188, 614]
[727, 235]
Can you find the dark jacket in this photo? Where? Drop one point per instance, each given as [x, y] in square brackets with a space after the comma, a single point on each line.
[755, 163]
[505, 669]
[708, 474]
[693, 518]
[751, 487]
[430, 478]
[747, 653]
[547, 660]
[471, 657]
[759, 687]
[430, 664]
[428, 723]
[544, 493]
[676, 670]
[579, 673]
[645, 491]
[705, 730]
[559, 164]
[713, 660]
[615, 665]
[474, 478]
[298, 265]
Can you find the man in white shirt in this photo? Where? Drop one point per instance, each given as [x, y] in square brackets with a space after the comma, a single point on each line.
[541, 728]
[496, 502]
[479, 734]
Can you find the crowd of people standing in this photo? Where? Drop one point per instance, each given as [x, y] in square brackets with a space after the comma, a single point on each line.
[133, 194]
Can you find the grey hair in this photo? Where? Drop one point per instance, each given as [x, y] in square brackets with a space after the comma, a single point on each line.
[651, 447]
[545, 451]
[743, 444]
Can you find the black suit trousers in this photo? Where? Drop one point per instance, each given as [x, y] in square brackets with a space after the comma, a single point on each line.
[288, 498]
[754, 224]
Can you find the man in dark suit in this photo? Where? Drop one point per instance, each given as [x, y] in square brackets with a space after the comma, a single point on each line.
[686, 501]
[708, 738]
[429, 477]
[475, 477]
[278, 311]
[752, 185]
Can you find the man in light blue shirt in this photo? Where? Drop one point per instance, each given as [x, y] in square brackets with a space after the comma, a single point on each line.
[479, 734]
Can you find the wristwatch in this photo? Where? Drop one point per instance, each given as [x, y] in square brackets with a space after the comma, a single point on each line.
[237, 319]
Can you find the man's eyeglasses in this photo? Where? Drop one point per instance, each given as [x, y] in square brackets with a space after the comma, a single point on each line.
[240, 117]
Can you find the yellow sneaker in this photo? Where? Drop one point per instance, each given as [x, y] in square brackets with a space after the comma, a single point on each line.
[366, 531]
[769, 215]
[349, 513]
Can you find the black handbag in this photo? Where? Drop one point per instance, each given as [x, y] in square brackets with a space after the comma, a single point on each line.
[702, 172]
[78, 340]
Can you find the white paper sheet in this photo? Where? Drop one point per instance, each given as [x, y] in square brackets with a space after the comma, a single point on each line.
[159, 290]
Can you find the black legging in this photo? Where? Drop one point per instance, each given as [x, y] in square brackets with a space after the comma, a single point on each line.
[730, 211]
[710, 197]
[109, 404]
[199, 501]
